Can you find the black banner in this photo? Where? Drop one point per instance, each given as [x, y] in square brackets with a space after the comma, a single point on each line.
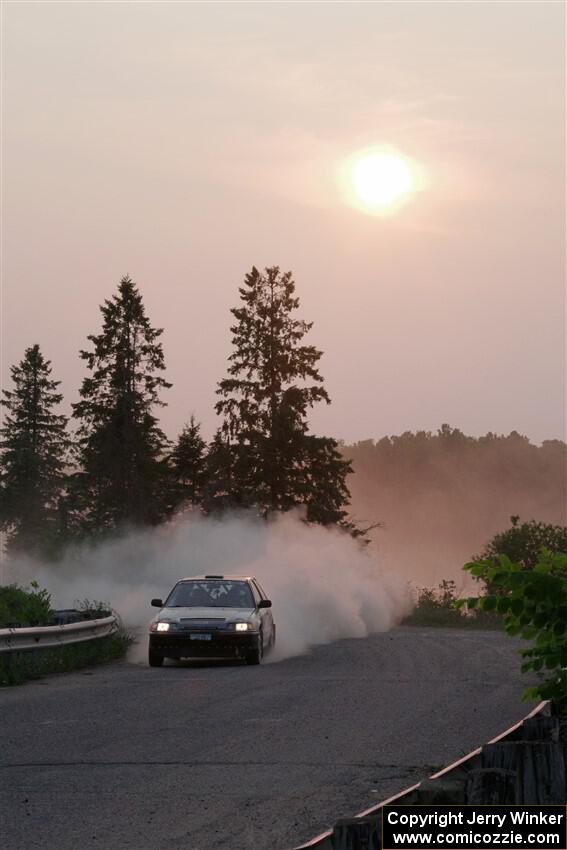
[478, 827]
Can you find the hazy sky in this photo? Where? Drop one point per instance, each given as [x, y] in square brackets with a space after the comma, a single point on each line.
[184, 142]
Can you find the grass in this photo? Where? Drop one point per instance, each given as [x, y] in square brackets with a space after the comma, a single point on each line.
[19, 667]
[436, 607]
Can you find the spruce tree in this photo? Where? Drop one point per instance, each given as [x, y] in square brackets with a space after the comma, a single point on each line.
[188, 462]
[273, 380]
[221, 492]
[123, 476]
[34, 446]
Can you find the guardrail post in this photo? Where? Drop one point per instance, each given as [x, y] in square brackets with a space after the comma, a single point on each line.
[357, 834]
[539, 767]
[525, 764]
[490, 786]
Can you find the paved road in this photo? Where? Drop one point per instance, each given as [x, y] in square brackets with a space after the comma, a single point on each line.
[244, 758]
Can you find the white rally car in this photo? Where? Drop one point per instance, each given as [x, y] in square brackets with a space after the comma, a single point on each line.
[213, 617]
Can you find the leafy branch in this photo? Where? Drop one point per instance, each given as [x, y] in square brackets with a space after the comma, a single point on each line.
[533, 604]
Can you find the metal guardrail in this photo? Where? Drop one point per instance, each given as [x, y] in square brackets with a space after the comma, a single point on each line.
[47, 637]
[324, 840]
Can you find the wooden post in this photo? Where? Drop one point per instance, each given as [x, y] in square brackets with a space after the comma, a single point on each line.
[539, 767]
[490, 786]
[357, 834]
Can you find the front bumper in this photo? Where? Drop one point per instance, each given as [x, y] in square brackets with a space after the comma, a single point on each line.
[219, 645]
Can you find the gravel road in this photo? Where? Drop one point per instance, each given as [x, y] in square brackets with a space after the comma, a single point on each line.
[226, 757]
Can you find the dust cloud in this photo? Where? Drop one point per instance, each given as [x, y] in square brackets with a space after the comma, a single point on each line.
[323, 584]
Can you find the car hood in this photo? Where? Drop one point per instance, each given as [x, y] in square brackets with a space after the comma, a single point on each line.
[219, 615]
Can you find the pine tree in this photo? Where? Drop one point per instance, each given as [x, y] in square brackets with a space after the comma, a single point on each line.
[188, 465]
[34, 445]
[219, 489]
[123, 477]
[273, 382]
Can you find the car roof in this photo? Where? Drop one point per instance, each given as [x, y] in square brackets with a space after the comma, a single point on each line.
[210, 576]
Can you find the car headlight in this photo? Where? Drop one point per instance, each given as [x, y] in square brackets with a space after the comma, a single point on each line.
[160, 627]
[245, 627]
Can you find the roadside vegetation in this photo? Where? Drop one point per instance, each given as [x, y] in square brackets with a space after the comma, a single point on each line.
[31, 607]
[438, 607]
[522, 548]
[522, 544]
[533, 604]
[16, 668]
[524, 573]
[20, 607]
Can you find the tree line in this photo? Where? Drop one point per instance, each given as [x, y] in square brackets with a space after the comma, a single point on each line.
[441, 495]
[458, 474]
[113, 467]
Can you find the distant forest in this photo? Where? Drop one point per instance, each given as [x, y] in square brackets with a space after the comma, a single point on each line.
[441, 496]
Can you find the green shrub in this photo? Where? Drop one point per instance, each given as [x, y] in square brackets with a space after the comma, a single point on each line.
[438, 607]
[522, 543]
[533, 604]
[21, 607]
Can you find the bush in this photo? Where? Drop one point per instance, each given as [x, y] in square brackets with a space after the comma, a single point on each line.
[522, 545]
[438, 607]
[20, 607]
[533, 604]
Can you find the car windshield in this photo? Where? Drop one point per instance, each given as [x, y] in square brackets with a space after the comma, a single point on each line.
[220, 593]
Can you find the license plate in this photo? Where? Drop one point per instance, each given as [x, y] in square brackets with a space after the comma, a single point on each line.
[200, 637]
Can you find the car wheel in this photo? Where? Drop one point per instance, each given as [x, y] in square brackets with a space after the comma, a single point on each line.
[155, 659]
[255, 656]
[273, 641]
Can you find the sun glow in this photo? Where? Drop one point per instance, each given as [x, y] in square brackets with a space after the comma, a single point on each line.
[379, 181]
[380, 178]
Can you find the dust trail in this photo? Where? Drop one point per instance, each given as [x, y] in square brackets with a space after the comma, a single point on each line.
[322, 584]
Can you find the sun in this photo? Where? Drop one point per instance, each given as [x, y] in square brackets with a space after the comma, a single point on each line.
[379, 181]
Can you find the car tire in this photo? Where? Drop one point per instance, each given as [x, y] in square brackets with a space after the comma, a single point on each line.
[273, 643]
[155, 659]
[255, 656]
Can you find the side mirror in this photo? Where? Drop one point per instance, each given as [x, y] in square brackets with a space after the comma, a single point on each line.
[265, 603]
[157, 603]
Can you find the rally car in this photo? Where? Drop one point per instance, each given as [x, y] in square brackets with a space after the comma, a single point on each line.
[213, 616]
